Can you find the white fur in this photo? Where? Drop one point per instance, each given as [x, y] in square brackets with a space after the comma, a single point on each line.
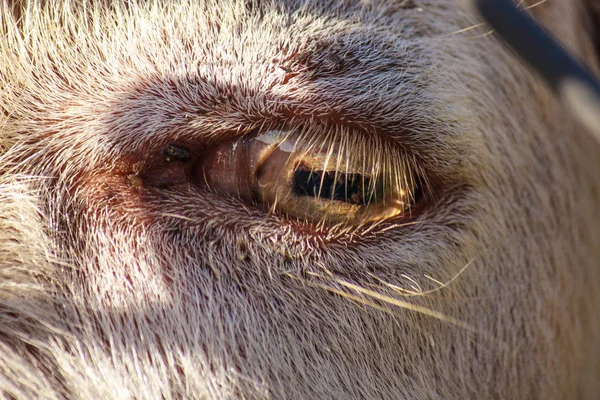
[113, 290]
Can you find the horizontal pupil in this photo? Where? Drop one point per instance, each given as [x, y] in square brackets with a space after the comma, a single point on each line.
[350, 188]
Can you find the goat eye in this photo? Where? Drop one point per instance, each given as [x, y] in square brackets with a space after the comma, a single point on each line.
[330, 179]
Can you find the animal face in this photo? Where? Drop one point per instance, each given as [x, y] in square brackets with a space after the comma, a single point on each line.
[284, 199]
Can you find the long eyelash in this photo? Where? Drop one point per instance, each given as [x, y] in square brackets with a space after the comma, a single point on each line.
[381, 169]
[341, 153]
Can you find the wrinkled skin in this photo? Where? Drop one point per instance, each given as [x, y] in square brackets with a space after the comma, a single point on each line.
[115, 286]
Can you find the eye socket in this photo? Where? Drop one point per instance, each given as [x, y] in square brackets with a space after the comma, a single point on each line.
[334, 179]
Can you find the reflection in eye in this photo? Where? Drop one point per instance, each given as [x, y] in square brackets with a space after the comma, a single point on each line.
[336, 179]
[338, 186]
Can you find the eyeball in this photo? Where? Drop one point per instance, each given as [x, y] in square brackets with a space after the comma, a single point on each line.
[329, 179]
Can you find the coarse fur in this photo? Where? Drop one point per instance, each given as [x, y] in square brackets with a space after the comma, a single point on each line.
[112, 287]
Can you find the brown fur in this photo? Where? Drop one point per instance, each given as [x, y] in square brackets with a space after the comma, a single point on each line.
[115, 286]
